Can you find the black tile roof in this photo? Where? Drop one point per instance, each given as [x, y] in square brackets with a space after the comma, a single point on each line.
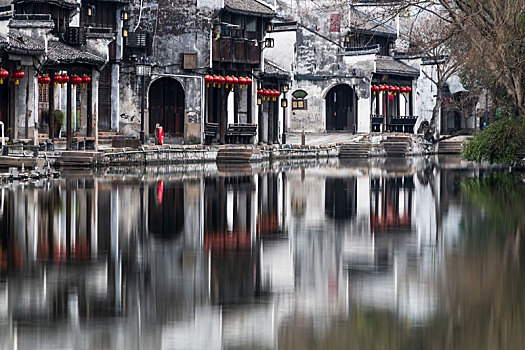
[24, 45]
[62, 3]
[389, 65]
[60, 53]
[271, 68]
[248, 7]
[362, 21]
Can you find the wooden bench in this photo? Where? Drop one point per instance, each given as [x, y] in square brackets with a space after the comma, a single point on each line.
[210, 132]
[402, 124]
[241, 133]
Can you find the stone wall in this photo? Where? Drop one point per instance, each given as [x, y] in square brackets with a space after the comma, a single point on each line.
[175, 27]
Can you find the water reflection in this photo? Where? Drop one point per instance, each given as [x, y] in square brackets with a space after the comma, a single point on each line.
[367, 254]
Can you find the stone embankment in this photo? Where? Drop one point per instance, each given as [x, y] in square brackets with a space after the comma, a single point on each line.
[365, 146]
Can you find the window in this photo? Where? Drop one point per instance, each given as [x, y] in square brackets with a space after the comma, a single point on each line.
[299, 103]
[298, 100]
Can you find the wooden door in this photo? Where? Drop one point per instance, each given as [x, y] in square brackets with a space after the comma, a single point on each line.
[104, 100]
[166, 106]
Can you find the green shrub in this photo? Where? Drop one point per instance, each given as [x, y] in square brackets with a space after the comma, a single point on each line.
[59, 118]
[498, 143]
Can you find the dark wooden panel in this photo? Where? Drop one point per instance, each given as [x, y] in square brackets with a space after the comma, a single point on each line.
[104, 99]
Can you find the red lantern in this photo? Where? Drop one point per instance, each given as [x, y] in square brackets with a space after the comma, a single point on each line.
[220, 80]
[259, 92]
[208, 79]
[57, 79]
[39, 78]
[85, 80]
[242, 81]
[17, 76]
[382, 88]
[76, 80]
[215, 79]
[266, 93]
[248, 81]
[229, 81]
[403, 89]
[390, 97]
[276, 94]
[235, 80]
[3, 75]
[65, 80]
[408, 89]
[46, 80]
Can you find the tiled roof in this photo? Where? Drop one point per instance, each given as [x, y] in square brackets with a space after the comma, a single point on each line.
[389, 65]
[61, 3]
[271, 68]
[24, 45]
[60, 53]
[363, 21]
[250, 7]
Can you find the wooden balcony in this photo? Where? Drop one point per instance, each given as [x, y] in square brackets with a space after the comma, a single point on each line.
[236, 50]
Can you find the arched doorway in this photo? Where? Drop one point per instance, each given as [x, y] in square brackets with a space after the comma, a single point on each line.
[166, 106]
[341, 109]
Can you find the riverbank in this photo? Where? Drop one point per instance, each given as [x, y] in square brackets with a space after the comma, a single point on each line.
[356, 146]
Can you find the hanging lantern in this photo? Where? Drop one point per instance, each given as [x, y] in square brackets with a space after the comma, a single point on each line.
[248, 81]
[208, 79]
[17, 75]
[65, 80]
[44, 80]
[85, 80]
[390, 97]
[57, 79]
[242, 81]
[220, 80]
[276, 94]
[215, 79]
[408, 89]
[3, 75]
[235, 80]
[382, 88]
[403, 90]
[266, 94]
[229, 81]
[76, 80]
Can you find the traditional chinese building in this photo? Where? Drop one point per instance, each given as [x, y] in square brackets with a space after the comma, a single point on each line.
[337, 58]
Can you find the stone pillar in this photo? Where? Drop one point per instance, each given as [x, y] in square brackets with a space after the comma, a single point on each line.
[95, 77]
[21, 106]
[83, 108]
[115, 98]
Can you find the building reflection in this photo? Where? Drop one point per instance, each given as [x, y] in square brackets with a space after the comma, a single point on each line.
[391, 203]
[213, 258]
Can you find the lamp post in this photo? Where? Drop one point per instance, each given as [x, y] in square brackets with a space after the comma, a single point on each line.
[284, 105]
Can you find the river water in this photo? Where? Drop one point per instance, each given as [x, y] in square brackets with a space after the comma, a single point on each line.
[376, 254]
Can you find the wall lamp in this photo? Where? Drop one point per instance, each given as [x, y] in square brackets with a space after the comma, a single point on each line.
[90, 10]
[124, 15]
[268, 43]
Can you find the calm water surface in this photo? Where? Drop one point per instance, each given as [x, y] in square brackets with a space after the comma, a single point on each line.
[399, 254]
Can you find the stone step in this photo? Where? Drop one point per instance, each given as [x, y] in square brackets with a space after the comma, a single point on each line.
[234, 155]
